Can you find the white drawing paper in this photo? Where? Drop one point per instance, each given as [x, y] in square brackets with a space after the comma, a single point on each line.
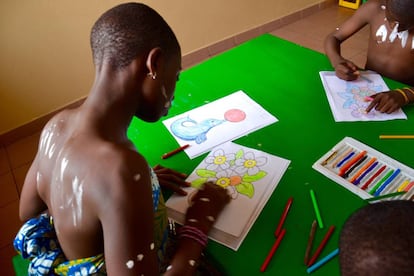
[249, 175]
[347, 98]
[217, 122]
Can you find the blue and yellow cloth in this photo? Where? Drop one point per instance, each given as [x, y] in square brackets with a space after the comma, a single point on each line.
[37, 241]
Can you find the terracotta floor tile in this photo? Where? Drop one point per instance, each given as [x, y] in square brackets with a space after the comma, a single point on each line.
[312, 30]
[20, 175]
[8, 189]
[9, 223]
[4, 162]
[23, 151]
[6, 254]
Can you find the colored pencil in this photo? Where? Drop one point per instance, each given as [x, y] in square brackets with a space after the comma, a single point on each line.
[323, 261]
[375, 175]
[345, 159]
[403, 185]
[363, 169]
[329, 158]
[408, 187]
[345, 167]
[283, 217]
[387, 182]
[310, 241]
[385, 177]
[171, 153]
[365, 78]
[272, 251]
[396, 136]
[316, 208]
[354, 166]
[321, 245]
[385, 196]
[340, 158]
[358, 180]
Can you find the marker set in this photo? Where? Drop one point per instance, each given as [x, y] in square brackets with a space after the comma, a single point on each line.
[365, 171]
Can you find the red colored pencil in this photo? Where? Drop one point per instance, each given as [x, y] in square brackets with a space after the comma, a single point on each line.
[272, 251]
[321, 245]
[168, 154]
[284, 214]
[373, 177]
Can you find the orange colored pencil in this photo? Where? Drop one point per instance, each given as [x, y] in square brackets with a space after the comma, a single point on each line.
[362, 169]
[345, 167]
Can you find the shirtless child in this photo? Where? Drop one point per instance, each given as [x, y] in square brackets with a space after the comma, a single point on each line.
[390, 48]
[105, 201]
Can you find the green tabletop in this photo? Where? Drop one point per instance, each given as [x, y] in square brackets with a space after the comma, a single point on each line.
[283, 78]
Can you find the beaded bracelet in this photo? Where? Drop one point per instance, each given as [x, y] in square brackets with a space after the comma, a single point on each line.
[404, 95]
[193, 233]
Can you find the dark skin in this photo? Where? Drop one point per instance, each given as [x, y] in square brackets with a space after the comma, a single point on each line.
[97, 187]
[390, 59]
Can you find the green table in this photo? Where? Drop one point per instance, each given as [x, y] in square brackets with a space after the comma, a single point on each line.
[283, 78]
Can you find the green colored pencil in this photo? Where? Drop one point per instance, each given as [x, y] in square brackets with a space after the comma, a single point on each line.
[380, 182]
[315, 206]
[385, 196]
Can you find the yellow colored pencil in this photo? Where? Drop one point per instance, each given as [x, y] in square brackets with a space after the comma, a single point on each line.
[396, 136]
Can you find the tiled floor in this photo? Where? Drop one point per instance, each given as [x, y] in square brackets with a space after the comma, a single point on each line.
[15, 159]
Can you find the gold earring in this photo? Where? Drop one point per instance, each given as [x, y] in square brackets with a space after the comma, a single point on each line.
[152, 75]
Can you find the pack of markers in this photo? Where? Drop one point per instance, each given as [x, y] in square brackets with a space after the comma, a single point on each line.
[365, 171]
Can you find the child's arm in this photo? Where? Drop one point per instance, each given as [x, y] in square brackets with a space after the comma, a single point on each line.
[31, 205]
[344, 68]
[390, 101]
[206, 206]
[124, 207]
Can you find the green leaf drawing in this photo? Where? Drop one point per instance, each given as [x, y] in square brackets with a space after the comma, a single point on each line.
[198, 182]
[206, 173]
[239, 154]
[255, 177]
[246, 189]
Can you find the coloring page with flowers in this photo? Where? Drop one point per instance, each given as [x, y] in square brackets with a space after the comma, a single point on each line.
[249, 175]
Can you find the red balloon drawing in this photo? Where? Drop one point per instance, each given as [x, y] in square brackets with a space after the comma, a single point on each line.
[234, 115]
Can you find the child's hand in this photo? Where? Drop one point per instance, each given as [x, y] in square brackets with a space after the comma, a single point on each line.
[206, 206]
[346, 70]
[170, 179]
[386, 102]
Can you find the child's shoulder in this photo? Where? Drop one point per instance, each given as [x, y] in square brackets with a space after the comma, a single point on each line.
[371, 11]
[373, 4]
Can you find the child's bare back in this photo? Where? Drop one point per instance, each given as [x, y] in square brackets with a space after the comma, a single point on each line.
[390, 48]
[74, 187]
[390, 52]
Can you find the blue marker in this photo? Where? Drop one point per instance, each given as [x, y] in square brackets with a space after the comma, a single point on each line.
[388, 181]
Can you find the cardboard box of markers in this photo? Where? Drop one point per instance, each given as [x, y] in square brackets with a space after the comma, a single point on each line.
[365, 171]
